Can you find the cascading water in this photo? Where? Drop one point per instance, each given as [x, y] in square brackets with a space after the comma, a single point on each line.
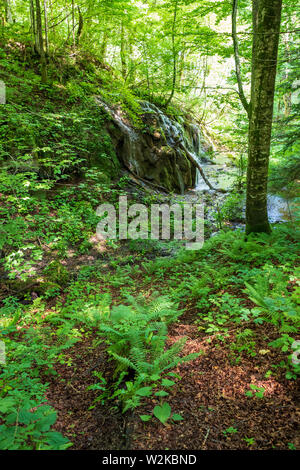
[166, 153]
[172, 130]
[197, 150]
[175, 133]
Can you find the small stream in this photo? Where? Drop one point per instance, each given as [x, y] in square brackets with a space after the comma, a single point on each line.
[223, 175]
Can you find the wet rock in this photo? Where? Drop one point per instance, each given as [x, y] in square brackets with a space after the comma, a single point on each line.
[153, 152]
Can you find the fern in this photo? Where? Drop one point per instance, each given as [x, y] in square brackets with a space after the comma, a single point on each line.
[137, 335]
[274, 303]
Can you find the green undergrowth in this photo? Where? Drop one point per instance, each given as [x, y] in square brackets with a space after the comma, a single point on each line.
[31, 350]
[59, 285]
[231, 283]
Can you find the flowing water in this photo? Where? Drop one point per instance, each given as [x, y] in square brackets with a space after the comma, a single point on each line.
[182, 137]
[220, 173]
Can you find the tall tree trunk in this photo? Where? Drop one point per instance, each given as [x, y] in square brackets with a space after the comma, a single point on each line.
[80, 26]
[46, 26]
[174, 53]
[8, 12]
[123, 52]
[237, 57]
[266, 29]
[73, 24]
[103, 46]
[40, 41]
[287, 98]
[131, 62]
[33, 27]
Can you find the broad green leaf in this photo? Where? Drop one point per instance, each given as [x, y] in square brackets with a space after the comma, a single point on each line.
[145, 418]
[162, 412]
[177, 417]
[144, 392]
[161, 393]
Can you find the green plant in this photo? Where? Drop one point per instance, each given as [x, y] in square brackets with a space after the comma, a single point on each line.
[249, 440]
[163, 413]
[244, 343]
[229, 431]
[256, 391]
[27, 425]
[137, 336]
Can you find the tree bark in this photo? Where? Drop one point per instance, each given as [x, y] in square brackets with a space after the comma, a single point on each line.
[80, 26]
[237, 57]
[8, 12]
[266, 30]
[33, 26]
[73, 25]
[40, 41]
[46, 26]
[174, 53]
[123, 52]
[103, 46]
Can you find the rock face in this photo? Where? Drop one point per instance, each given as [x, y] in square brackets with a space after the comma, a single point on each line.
[156, 152]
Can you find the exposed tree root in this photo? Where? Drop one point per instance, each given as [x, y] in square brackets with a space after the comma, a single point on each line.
[197, 165]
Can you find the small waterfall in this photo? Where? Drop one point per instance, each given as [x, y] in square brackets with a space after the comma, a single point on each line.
[190, 137]
[172, 130]
[279, 209]
[163, 157]
[195, 146]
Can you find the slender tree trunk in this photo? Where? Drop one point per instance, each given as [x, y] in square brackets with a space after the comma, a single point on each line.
[46, 26]
[39, 28]
[8, 12]
[73, 24]
[237, 57]
[33, 27]
[131, 62]
[103, 46]
[287, 98]
[266, 29]
[146, 59]
[174, 54]
[80, 26]
[123, 53]
[181, 69]
[40, 41]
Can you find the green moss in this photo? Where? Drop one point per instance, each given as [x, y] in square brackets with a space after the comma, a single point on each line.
[166, 179]
[56, 273]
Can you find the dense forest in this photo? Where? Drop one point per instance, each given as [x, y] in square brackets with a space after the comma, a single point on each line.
[149, 225]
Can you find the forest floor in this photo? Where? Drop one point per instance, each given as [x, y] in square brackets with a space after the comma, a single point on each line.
[239, 393]
[235, 395]
[210, 396]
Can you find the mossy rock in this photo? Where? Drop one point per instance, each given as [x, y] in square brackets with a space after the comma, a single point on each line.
[56, 273]
[95, 175]
[37, 285]
[103, 178]
[233, 159]
[46, 287]
[166, 180]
